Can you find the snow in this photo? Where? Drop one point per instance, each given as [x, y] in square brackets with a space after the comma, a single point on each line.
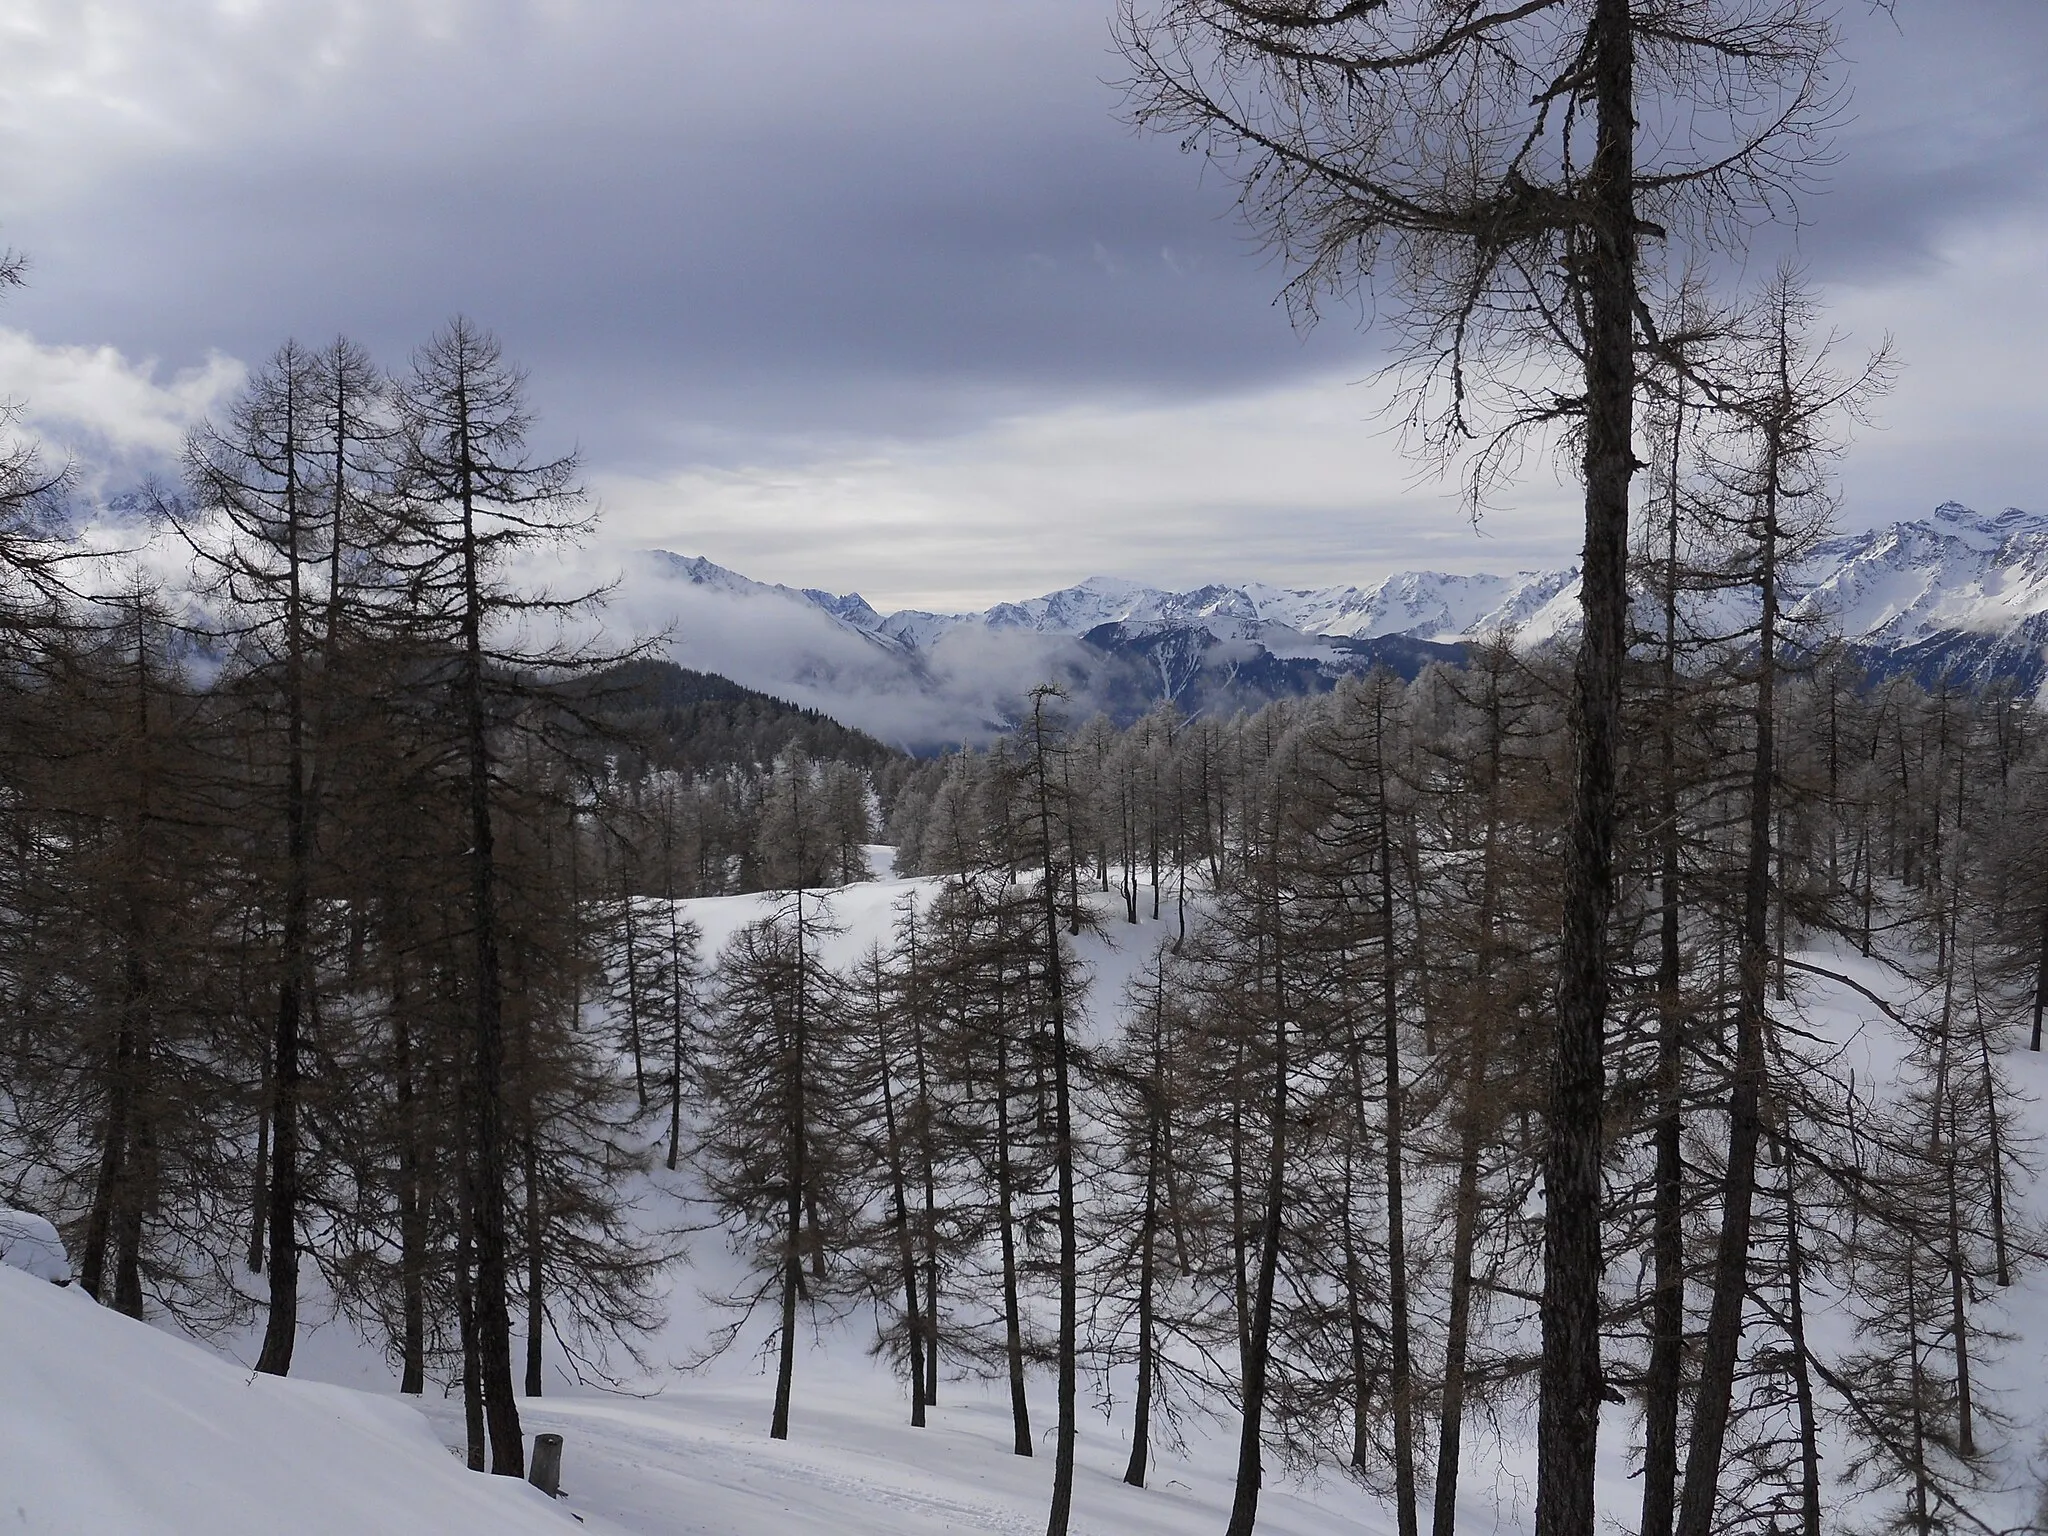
[1954, 570]
[29, 1243]
[698, 1461]
[109, 1425]
[689, 1455]
[692, 1455]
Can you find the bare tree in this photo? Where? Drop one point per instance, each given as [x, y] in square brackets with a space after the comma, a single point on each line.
[276, 490]
[770, 1072]
[1498, 170]
[1779, 490]
[471, 498]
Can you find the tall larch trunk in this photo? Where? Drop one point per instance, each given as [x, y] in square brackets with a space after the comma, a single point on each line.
[1569, 1384]
[281, 1328]
[488, 1168]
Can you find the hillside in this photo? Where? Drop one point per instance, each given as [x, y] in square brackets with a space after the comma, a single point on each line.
[699, 722]
[201, 1446]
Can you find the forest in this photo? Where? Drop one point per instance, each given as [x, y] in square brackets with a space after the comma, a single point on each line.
[346, 934]
[347, 955]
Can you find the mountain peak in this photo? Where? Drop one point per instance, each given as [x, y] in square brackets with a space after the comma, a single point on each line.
[850, 606]
[1966, 588]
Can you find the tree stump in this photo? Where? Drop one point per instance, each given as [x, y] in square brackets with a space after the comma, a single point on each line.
[547, 1465]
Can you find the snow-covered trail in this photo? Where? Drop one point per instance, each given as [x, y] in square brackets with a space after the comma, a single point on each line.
[697, 1461]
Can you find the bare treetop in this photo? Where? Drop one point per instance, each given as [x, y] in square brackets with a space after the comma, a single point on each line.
[1438, 156]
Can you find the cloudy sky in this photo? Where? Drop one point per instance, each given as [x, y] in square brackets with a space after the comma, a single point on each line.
[880, 294]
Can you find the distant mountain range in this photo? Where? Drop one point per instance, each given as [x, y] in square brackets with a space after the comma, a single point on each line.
[1955, 591]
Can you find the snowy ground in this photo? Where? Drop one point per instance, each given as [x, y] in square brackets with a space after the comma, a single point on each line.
[112, 1428]
[108, 1426]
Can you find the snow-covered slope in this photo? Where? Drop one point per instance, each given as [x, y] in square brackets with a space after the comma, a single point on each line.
[1954, 589]
[1953, 571]
[695, 1457]
[111, 1426]
[1423, 605]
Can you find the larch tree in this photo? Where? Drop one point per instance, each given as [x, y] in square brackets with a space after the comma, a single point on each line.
[471, 500]
[276, 488]
[1046, 803]
[1510, 177]
[771, 1074]
[1776, 482]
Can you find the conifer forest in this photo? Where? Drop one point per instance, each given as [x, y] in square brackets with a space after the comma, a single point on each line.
[1609, 1042]
[348, 938]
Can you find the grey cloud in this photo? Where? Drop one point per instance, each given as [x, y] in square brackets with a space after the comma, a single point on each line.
[725, 234]
[692, 216]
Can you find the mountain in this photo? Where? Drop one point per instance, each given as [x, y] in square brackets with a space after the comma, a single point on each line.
[1956, 591]
[1421, 605]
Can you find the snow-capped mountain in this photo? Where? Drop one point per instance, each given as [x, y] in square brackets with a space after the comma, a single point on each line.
[1955, 590]
[1421, 605]
[1956, 571]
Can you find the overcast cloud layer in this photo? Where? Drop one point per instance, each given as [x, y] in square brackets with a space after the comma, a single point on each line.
[881, 295]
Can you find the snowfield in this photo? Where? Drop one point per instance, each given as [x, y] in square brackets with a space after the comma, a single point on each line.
[110, 1426]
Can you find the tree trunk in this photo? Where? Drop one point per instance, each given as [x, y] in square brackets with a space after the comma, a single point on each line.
[281, 1328]
[1802, 1374]
[488, 1170]
[536, 1298]
[1465, 1207]
[137, 1181]
[792, 1283]
[1395, 1134]
[798, 1155]
[1916, 1392]
[2040, 980]
[1148, 1239]
[1013, 1324]
[412, 1210]
[2001, 1259]
[1244, 1507]
[1458, 1325]
[927, 1169]
[1068, 1390]
[1354, 1316]
[259, 1184]
[630, 908]
[1713, 1399]
[107, 1183]
[1662, 1380]
[295, 959]
[906, 1254]
[1959, 1326]
[1568, 1419]
[675, 1030]
[465, 1323]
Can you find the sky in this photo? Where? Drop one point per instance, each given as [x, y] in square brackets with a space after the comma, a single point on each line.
[884, 294]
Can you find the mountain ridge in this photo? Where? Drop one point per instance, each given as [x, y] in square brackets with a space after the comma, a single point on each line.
[1954, 592]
